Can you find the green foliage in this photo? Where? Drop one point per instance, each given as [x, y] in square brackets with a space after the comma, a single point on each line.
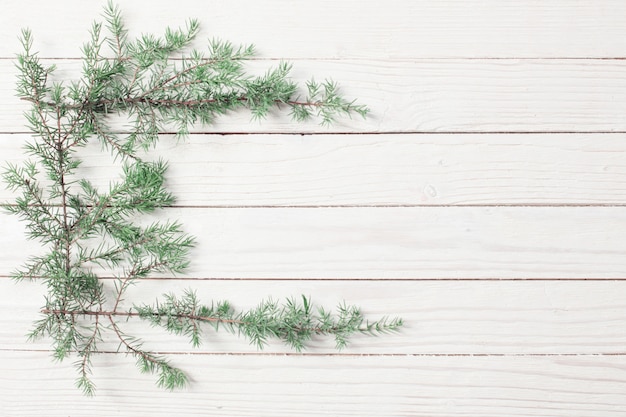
[292, 322]
[84, 229]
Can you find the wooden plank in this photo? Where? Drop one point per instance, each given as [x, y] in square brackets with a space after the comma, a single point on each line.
[347, 29]
[442, 317]
[339, 386]
[429, 96]
[485, 347]
[405, 242]
[380, 170]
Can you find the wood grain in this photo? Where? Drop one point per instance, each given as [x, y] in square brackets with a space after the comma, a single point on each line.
[403, 242]
[442, 317]
[340, 386]
[377, 170]
[482, 201]
[428, 96]
[347, 29]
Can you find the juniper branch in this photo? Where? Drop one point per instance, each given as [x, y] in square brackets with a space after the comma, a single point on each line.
[84, 228]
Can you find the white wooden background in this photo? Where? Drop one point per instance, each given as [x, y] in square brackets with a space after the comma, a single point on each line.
[482, 201]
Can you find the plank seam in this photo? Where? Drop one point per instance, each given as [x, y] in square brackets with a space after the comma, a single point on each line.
[390, 132]
[388, 59]
[312, 354]
[313, 279]
[352, 206]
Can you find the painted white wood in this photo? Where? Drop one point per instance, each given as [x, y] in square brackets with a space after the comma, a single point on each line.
[404, 242]
[471, 347]
[286, 170]
[260, 386]
[395, 29]
[442, 317]
[429, 96]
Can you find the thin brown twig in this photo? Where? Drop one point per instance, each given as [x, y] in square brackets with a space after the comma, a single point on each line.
[172, 102]
[114, 313]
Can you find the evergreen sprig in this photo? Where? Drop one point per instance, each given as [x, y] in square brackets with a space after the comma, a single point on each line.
[85, 229]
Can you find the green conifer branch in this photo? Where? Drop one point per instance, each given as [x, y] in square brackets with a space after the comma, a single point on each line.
[83, 228]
